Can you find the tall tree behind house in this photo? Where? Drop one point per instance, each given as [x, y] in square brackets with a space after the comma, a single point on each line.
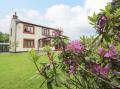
[4, 37]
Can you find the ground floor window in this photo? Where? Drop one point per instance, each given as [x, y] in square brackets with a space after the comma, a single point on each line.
[58, 47]
[28, 43]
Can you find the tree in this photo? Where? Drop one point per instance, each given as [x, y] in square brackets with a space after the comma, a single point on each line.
[115, 10]
[1, 36]
[4, 37]
[107, 24]
[115, 5]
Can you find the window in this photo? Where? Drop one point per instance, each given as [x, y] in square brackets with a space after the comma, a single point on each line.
[44, 42]
[28, 29]
[11, 32]
[45, 32]
[28, 43]
[56, 33]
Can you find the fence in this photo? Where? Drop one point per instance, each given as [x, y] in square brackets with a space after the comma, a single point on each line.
[4, 47]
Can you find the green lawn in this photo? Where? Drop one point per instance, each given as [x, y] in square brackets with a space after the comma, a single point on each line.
[18, 72]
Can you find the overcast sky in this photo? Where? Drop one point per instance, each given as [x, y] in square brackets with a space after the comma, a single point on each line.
[71, 15]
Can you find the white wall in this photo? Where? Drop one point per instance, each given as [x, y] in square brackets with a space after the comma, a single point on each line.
[20, 36]
[12, 37]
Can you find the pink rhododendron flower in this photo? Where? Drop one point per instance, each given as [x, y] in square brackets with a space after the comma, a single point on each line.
[101, 70]
[97, 68]
[72, 69]
[72, 65]
[105, 70]
[111, 52]
[101, 51]
[75, 46]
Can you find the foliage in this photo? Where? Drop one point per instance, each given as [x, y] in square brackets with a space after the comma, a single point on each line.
[47, 70]
[106, 32]
[4, 37]
[88, 65]
[87, 41]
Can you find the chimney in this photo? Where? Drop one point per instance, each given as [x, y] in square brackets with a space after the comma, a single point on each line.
[15, 16]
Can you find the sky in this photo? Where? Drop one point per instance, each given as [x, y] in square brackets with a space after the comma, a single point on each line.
[70, 15]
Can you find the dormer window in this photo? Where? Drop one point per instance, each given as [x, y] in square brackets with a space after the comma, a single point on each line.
[28, 29]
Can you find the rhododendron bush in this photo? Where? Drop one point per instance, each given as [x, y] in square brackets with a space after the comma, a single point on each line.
[82, 66]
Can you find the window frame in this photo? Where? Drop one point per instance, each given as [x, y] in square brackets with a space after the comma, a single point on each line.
[45, 32]
[29, 26]
[24, 46]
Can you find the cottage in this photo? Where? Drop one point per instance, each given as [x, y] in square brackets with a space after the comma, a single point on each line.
[25, 36]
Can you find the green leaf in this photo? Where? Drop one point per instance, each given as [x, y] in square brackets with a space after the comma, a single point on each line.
[34, 55]
[49, 83]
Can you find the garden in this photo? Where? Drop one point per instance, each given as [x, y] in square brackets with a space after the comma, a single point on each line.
[88, 63]
[18, 72]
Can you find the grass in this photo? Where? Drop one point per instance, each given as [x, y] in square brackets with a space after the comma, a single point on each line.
[18, 72]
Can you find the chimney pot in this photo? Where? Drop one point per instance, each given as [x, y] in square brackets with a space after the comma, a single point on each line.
[15, 16]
